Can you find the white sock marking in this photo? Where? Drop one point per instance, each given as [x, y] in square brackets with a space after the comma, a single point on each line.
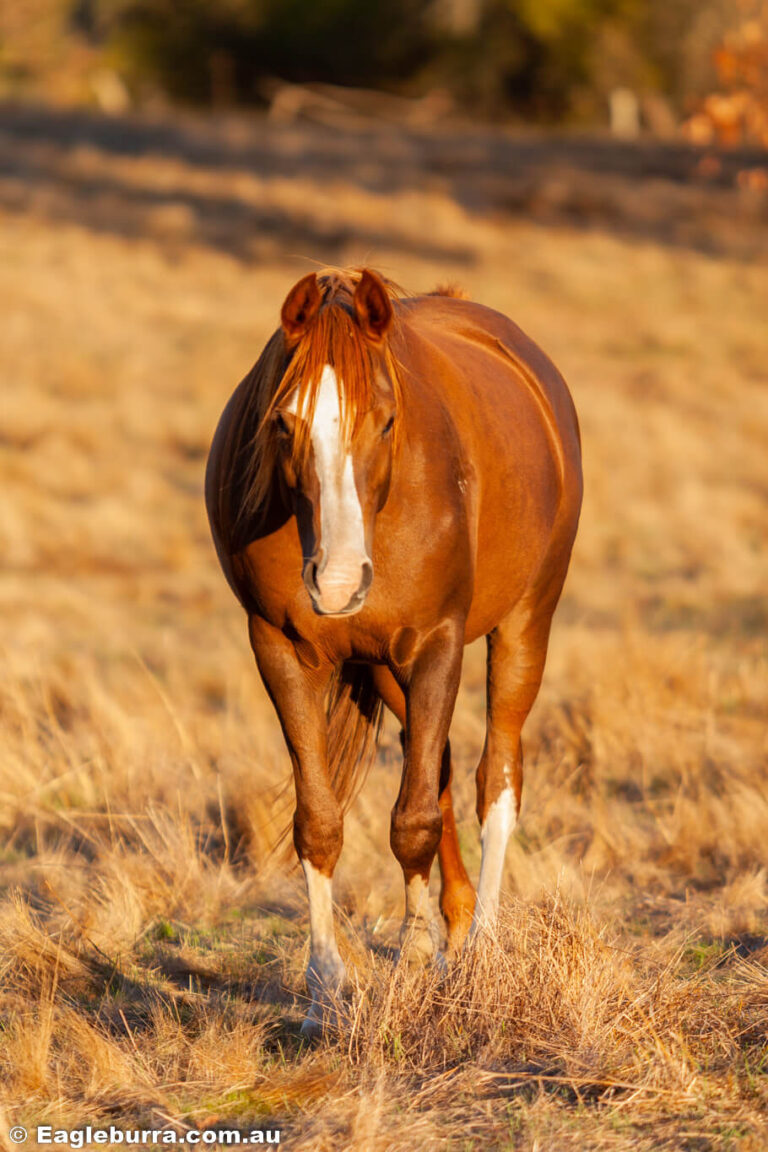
[499, 821]
[417, 934]
[417, 899]
[325, 964]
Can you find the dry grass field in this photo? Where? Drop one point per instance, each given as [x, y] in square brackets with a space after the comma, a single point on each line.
[151, 953]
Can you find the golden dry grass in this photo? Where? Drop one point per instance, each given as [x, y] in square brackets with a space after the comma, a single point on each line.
[151, 964]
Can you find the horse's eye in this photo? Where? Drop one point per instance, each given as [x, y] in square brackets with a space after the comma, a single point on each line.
[281, 425]
[388, 426]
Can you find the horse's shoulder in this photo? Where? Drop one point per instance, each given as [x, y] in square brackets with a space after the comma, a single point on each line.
[482, 342]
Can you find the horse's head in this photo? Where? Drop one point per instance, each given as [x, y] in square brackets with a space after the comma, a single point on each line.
[333, 420]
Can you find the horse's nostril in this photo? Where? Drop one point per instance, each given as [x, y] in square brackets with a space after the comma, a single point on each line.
[310, 577]
[335, 590]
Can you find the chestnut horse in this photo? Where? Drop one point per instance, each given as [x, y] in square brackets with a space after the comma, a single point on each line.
[396, 477]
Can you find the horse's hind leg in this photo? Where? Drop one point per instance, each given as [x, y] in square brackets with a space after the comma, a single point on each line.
[517, 649]
[457, 896]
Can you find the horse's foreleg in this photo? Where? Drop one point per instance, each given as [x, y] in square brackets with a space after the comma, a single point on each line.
[430, 684]
[457, 896]
[298, 694]
[517, 649]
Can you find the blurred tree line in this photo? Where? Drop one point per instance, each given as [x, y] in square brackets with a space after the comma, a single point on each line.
[547, 60]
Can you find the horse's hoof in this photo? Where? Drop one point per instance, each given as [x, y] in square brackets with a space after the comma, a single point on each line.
[458, 927]
[442, 962]
[326, 982]
[311, 1028]
[418, 944]
[321, 1018]
[415, 960]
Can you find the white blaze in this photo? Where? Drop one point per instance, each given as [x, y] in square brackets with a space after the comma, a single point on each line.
[342, 536]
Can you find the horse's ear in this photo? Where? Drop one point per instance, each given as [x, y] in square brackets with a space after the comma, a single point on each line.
[300, 307]
[373, 307]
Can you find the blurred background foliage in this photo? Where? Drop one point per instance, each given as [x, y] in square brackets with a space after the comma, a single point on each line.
[543, 60]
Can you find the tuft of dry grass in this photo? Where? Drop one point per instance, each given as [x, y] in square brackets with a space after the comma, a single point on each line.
[151, 953]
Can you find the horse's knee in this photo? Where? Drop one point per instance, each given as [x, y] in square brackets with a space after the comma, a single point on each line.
[318, 834]
[414, 837]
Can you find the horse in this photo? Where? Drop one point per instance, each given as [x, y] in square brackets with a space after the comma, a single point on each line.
[397, 476]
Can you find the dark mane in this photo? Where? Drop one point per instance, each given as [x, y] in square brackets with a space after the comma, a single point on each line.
[334, 338]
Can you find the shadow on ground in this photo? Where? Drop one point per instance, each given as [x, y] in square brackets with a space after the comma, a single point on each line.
[669, 192]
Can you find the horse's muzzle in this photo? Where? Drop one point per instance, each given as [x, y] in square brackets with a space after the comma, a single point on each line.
[337, 592]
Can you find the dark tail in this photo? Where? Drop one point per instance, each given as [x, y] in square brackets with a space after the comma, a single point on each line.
[354, 712]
